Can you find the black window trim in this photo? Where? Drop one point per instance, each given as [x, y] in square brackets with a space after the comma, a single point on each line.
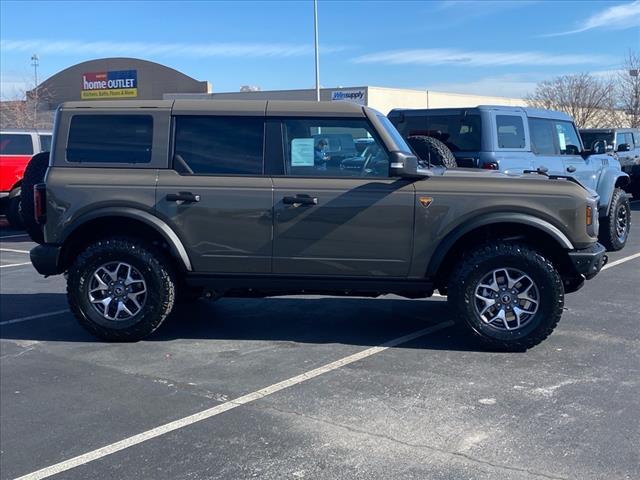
[172, 147]
[283, 160]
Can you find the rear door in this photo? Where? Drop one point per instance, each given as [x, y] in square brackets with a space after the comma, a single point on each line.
[511, 139]
[337, 221]
[215, 194]
[544, 146]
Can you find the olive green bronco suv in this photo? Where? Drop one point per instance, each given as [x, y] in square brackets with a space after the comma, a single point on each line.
[147, 203]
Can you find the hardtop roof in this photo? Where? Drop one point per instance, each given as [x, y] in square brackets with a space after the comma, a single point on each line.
[231, 107]
[528, 111]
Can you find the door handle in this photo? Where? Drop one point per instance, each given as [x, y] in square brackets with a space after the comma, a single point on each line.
[186, 197]
[571, 169]
[301, 200]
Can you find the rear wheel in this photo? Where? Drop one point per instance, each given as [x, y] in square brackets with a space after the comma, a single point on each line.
[33, 174]
[432, 150]
[614, 230]
[121, 289]
[14, 212]
[508, 296]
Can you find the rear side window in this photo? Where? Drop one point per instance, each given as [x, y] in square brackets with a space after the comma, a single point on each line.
[219, 145]
[510, 131]
[45, 143]
[110, 139]
[461, 133]
[16, 144]
[542, 133]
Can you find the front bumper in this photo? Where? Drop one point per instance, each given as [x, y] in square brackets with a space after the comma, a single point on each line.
[46, 259]
[589, 261]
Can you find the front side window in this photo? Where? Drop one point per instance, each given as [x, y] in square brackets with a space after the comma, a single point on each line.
[510, 131]
[326, 147]
[16, 144]
[542, 132]
[110, 138]
[590, 138]
[567, 138]
[214, 145]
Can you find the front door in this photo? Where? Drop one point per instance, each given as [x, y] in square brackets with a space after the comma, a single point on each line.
[336, 211]
[216, 197]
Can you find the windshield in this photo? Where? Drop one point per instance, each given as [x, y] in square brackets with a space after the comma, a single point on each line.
[589, 138]
[397, 138]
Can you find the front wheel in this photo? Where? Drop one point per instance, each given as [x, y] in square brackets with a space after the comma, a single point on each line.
[614, 230]
[121, 289]
[508, 296]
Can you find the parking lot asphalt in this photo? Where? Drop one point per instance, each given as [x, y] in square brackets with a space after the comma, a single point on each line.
[435, 406]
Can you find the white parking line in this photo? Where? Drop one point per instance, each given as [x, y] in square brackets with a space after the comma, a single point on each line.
[13, 250]
[224, 407]
[622, 260]
[33, 317]
[15, 264]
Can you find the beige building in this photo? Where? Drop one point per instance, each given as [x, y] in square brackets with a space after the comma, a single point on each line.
[382, 99]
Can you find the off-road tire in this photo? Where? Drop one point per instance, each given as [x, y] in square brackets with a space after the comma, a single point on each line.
[432, 150]
[14, 213]
[33, 174]
[608, 234]
[478, 263]
[156, 271]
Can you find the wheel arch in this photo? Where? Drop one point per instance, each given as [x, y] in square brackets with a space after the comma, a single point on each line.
[136, 223]
[609, 181]
[511, 227]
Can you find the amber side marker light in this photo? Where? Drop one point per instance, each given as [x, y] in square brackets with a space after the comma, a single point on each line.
[425, 201]
[589, 216]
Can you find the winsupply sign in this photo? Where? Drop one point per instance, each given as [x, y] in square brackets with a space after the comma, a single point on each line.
[116, 84]
[355, 96]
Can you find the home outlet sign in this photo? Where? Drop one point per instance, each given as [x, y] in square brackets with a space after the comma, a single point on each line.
[114, 84]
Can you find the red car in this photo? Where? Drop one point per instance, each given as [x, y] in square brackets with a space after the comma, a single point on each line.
[16, 149]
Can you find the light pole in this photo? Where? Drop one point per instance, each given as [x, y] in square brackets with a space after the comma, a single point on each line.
[35, 61]
[315, 31]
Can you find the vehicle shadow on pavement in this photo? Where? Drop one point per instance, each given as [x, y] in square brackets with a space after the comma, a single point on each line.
[349, 321]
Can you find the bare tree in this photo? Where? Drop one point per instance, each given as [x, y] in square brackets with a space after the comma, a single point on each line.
[587, 99]
[22, 110]
[628, 85]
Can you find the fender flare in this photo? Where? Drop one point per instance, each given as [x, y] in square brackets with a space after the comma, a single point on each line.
[169, 235]
[489, 219]
[606, 186]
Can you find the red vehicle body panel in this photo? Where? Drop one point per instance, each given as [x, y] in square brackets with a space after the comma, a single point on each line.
[11, 170]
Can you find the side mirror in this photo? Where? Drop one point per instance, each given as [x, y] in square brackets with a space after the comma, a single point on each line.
[405, 165]
[609, 148]
[624, 147]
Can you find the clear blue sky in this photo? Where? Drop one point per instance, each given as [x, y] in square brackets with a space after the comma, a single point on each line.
[486, 47]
